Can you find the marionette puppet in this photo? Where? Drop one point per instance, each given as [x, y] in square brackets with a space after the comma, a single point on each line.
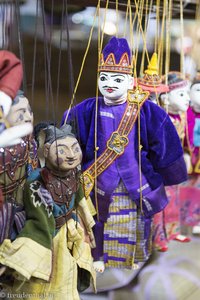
[136, 157]
[190, 191]
[16, 163]
[177, 100]
[52, 254]
[10, 81]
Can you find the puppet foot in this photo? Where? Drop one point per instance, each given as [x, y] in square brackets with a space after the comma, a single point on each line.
[163, 248]
[99, 266]
[182, 238]
[196, 229]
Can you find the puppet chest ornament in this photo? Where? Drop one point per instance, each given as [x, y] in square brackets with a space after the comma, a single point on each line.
[118, 140]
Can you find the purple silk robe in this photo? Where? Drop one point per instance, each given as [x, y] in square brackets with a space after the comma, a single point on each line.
[161, 160]
[161, 157]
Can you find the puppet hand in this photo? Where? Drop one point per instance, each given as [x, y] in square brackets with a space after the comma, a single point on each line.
[99, 266]
[5, 103]
[12, 136]
[187, 161]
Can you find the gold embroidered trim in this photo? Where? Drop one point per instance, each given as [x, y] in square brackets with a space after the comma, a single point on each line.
[118, 140]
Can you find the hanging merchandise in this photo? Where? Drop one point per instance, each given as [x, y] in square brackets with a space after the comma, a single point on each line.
[10, 80]
[177, 100]
[126, 189]
[190, 212]
[56, 238]
[16, 163]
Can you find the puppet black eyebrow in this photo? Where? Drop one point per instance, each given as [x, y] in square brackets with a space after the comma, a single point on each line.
[75, 143]
[62, 145]
[104, 74]
[118, 75]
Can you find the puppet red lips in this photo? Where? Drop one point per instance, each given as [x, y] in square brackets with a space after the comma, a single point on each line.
[109, 90]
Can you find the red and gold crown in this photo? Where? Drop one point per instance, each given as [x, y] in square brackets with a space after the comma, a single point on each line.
[151, 81]
[110, 65]
[116, 57]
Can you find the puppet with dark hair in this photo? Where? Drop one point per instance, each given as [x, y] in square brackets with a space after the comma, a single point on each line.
[53, 250]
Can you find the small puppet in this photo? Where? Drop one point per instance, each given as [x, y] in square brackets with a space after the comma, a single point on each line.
[10, 81]
[135, 159]
[177, 100]
[53, 250]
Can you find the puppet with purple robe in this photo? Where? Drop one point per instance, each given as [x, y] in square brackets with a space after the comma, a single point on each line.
[137, 153]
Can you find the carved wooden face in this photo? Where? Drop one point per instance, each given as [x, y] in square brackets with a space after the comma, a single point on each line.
[114, 86]
[20, 112]
[195, 96]
[63, 154]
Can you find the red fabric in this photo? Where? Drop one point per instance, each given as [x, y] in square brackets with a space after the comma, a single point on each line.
[11, 73]
[167, 222]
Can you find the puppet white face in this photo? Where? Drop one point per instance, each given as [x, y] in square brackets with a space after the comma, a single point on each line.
[20, 112]
[178, 100]
[63, 154]
[195, 97]
[114, 86]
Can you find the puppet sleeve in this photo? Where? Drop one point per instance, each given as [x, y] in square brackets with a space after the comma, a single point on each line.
[11, 73]
[166, 153]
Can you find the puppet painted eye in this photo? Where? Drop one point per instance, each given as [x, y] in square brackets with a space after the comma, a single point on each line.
[76, 149]
[118, 80]
[20, 118]
[61, 151]
[102, 78]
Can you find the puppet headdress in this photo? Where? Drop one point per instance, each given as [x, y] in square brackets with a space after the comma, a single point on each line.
[53, 133]
[151, 81]
[116, 57]
[176, 81]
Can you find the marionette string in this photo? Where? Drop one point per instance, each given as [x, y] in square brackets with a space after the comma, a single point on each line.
[20, 41]
[34, 53]
[83, 62]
